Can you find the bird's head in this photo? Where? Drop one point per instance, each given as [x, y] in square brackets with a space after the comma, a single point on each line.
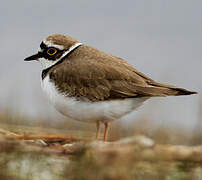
[53, 49]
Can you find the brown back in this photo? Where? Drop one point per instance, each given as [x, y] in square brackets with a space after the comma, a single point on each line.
[97, 76]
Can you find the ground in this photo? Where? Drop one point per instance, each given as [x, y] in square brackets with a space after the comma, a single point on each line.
[27, 155]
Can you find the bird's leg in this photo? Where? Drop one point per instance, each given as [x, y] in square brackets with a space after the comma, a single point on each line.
[106, 130]
[98, 129]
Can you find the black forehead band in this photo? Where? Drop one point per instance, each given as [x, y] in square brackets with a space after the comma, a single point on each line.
[43, 45]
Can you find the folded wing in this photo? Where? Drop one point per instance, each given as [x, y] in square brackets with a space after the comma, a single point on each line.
[105, 77]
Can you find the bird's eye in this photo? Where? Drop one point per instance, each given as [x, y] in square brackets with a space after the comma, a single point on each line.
[51, 51]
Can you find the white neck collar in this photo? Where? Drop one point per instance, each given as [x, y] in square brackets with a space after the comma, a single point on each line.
[70, 50]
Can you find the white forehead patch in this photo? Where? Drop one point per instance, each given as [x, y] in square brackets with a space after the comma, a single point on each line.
[50, 44]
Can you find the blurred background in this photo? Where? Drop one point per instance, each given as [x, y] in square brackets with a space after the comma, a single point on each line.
[162, 39]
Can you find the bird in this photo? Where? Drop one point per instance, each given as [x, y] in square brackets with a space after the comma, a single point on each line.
[89, 85]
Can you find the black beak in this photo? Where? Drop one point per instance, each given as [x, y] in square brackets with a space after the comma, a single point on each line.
[33, 57]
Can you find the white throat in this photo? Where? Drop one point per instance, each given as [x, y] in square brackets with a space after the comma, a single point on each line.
[46, 63]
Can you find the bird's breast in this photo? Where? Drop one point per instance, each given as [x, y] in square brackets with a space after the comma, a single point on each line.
[86, 110]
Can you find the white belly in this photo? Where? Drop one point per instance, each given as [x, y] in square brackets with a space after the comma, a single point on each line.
[86, 110]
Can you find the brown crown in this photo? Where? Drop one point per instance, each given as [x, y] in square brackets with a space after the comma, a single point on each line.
[61, 39]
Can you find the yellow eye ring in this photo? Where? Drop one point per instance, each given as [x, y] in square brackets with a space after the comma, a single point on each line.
[51, 51]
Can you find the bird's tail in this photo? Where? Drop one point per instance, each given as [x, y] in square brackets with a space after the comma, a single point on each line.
[169, 90]
[155, 88]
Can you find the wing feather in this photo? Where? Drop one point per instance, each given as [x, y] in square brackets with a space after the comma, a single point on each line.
[98, 76]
